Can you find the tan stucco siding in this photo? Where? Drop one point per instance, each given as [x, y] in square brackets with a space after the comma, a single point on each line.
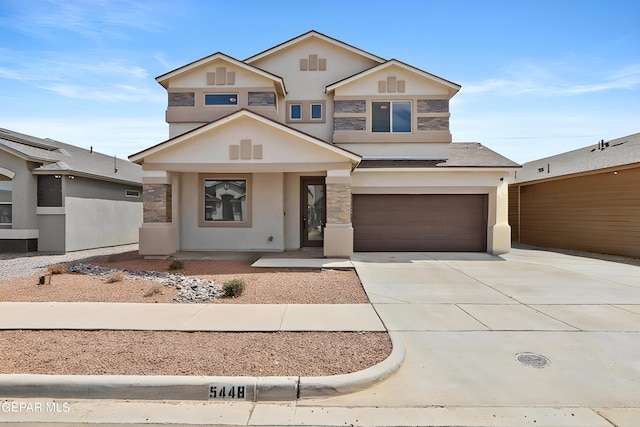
[197, 78]
[267, 218]
[413, 85]
[214, 146]
[202, 113]
[310, 84]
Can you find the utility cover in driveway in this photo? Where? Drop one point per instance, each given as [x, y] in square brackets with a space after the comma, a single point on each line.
[419, 222]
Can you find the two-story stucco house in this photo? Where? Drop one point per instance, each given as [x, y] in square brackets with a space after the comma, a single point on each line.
[317, 143]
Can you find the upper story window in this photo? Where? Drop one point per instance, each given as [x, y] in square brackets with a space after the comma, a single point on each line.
[316, 111]
[220, 99]
[306, 111]
[6, 205]
[295, 111]
[391, 116]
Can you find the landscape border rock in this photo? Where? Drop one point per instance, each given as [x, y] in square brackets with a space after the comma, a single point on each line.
[192, 290]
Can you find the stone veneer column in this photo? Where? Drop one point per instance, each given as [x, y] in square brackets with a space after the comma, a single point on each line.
[156, 199]
[338, 232]
[158, 233]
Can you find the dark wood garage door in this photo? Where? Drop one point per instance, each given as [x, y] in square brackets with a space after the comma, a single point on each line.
[418, 222]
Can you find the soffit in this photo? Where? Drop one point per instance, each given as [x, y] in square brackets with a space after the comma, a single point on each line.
[312, 34]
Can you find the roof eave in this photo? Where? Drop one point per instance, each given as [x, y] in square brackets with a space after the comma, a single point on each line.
[139, 157]
[306, 35]
[164, 79]
[71, 172]
[453, 87]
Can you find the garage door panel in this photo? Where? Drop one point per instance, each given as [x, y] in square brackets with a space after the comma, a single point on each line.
[441, 222]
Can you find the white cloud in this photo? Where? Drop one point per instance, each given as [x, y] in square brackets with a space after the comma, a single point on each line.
[84, 77]
[94, 20]
[553, 81]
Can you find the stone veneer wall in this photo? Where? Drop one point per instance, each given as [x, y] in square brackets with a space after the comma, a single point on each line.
[262, 99]
[182, 99]
[433, 106]
[350, 106]
[433, 123]
[349, 123]
[156, 200]
[338, 204]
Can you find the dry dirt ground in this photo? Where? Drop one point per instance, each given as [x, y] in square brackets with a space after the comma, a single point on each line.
[191, 353]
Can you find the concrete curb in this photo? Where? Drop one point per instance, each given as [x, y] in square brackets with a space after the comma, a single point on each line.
[311, 387]
[139, 387]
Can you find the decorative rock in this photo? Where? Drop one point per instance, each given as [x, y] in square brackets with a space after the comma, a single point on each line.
[191, 289]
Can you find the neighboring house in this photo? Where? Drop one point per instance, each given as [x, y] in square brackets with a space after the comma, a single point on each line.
[56, 197]
[587, 199]
[317, 143]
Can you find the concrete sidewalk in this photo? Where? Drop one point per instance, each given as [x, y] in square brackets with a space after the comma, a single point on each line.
[189, 317]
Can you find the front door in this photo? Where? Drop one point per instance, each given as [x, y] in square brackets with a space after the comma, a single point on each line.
[312, 211]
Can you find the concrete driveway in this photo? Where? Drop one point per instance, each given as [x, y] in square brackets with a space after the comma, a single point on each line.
[466, 319]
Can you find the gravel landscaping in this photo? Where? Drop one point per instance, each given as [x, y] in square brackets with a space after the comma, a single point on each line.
[187, 353]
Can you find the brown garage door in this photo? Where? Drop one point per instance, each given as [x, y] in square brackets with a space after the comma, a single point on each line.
[418, 222]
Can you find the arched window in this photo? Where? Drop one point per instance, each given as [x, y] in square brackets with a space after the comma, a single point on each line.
[6, 204]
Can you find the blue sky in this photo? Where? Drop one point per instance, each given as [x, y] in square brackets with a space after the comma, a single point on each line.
[538, 77]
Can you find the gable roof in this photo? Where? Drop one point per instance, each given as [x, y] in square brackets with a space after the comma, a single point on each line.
[59, 158]
[164, 78]
[453, 87]
[139, 156]
[311, 34]
[614, 153]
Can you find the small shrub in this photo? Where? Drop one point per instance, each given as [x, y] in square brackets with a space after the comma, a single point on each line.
[155, 289]
[112, 258]
[233, 288]
[176, 264]
[118, 276]
[57, 269]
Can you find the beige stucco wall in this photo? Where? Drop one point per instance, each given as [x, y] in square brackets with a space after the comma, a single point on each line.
[415, 85]
[95, 223]
[197, 78]
[211, 148]
[302, 85]
[267, 218]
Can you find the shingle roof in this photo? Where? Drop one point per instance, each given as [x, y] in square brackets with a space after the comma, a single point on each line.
[616, 152]
[474, 154]
[461, 154]
[58, 157]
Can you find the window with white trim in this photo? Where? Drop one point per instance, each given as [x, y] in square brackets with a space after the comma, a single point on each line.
[295, 111]
[6, 202]
[316, 111]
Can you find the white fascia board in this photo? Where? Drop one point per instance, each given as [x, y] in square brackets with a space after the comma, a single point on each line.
[455, 87]
[204, 61]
